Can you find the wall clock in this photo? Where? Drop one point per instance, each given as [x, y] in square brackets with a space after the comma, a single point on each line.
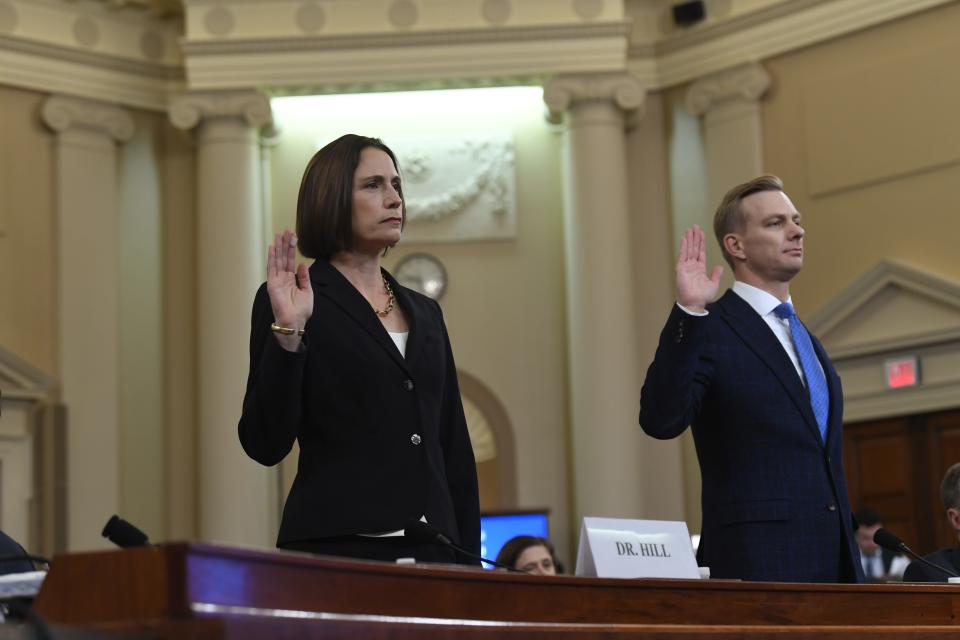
[422, 272]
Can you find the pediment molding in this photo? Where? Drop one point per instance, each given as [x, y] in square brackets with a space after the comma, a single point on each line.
[892, 307]
[21, 381]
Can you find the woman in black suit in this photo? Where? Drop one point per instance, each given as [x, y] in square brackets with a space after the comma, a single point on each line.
[358, 369]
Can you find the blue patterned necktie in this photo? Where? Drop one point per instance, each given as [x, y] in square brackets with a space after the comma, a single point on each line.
[816, 382]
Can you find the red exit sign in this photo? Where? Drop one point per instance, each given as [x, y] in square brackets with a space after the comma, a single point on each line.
[902, 372]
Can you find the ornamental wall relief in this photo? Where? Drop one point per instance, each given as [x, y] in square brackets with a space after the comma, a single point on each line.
[457, 189]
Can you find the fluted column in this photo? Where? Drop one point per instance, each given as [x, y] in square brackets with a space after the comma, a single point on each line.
[237, 498]
[604, 374]
[88, 296]
[729, 105]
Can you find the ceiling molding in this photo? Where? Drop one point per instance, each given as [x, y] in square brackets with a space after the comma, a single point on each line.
[402, 64]
[771, 32]
[678, 40]
[50, 71]
[90, 58]
[34, 56]
[888, 403]
[423, 85]
[411, 39]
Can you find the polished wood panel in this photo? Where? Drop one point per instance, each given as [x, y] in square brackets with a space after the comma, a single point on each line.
[181, 582]
[244, 628]
[895, 466]
[945, 445]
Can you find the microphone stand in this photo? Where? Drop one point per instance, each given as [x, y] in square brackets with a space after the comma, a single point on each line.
[424, 532]
[890, 542]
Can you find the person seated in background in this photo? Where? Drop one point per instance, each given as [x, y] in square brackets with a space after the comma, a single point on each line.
[13, 557]
[879, 565]
[947, 558]
[531, 554]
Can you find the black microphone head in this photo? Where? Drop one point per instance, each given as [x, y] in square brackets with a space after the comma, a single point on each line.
[123, 534]
[422, 532]
[887, 540]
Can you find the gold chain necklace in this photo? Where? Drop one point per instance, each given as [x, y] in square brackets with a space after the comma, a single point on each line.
[390, 299]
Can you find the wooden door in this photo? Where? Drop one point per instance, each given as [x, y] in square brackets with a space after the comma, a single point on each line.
[895, 466]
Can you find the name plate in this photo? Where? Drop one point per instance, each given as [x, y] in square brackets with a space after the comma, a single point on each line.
[620, 548]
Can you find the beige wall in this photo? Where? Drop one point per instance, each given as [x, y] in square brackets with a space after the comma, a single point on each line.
[652, 229]
[28, 252]
[864, 132]
[157, 310]
[156, 297]
[504, 306]
[179, 258]
[863, 129]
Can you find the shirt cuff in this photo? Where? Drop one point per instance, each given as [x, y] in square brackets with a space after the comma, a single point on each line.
[693, 313]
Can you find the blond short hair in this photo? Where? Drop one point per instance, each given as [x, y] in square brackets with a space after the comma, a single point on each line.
[950, 488]
[729, 217]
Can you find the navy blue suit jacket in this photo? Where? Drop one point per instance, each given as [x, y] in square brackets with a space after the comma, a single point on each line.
[946, 558]
[383, 438]
[774, 500]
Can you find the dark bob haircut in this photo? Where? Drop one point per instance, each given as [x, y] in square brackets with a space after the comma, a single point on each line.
[325, 204]
[512, 548]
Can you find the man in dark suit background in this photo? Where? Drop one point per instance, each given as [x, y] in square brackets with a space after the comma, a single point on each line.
[763, 400]
[948, 558]
[13, 557]
[879, 564]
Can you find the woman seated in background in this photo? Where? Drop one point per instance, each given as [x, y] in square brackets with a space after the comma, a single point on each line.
[531, 554]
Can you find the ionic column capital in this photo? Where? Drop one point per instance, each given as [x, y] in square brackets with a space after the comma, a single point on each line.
[62, 114]
[748, 82]
[252, 107]
[621, 89]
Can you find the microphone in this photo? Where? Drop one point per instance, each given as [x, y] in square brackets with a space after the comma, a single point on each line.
[420, 531]
[123, 534]
[891, 542]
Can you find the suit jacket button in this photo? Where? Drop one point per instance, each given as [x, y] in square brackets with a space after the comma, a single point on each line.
[831, 507]
[408, 385]
[415, 438]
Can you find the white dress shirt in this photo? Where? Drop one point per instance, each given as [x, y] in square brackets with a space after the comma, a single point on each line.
[764, 303]
[400, 339]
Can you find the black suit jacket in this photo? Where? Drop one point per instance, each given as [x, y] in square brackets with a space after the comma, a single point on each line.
[947, 558]
[383, 439]
[774, 498]
[15, 557]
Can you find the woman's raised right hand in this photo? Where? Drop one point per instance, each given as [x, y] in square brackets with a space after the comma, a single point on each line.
[288, 284]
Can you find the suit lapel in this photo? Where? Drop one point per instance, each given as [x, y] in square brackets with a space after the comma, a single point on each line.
[758, 337]
[334, 286]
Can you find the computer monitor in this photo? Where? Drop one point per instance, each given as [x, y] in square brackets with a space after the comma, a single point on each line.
[498, 527]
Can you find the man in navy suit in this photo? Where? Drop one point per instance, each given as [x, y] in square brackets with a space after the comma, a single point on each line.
[762, 398]
[949, 558]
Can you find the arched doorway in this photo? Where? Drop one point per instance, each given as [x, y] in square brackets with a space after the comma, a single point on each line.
[493, 445]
